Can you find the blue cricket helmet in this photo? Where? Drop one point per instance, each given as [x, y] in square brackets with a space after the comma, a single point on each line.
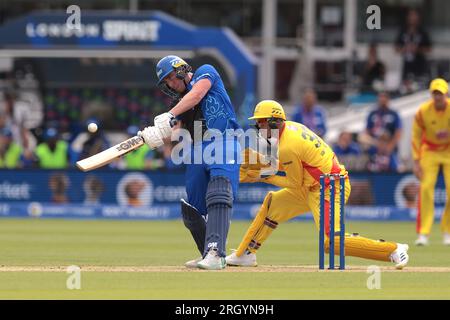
[165, 66]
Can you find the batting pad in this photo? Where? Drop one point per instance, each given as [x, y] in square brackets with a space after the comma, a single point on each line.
[219, 204]
[195, 223]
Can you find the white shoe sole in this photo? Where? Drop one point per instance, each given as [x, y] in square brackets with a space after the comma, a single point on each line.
[242, 265]
[420, 242]
[192, 264]
[207, 267]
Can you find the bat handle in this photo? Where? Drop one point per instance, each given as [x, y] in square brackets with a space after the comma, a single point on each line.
[173, 122]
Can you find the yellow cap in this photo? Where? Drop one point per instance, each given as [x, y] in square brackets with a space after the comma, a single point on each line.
[268, 109]
[440, 85]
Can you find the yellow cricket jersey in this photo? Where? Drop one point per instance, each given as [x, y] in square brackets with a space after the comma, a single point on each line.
[303, 156]
[431, 129]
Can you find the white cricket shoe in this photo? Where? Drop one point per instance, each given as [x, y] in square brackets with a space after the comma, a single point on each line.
[191, 264]
[446, 240]
[400, 256]
[422, 240]
[212, 261]
[248, 259]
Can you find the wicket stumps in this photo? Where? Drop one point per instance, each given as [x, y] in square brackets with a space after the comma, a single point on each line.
[330, 180]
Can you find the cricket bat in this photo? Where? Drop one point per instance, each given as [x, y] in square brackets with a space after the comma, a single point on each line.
[109, 155]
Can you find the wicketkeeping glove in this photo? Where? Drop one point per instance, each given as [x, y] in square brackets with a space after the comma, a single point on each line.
[249, 175]
[253, 160]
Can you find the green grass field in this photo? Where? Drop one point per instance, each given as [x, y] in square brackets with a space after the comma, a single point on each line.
[157, 245]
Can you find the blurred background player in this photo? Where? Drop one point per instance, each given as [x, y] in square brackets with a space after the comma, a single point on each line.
[10, 151]
[381, 136]
[373, 72]
[311, 114]
[413, 43]
[303, 157]
[431, 151]
[200, 100]
[53, 152]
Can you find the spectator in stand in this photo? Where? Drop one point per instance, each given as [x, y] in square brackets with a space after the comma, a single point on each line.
[311, 114]
[413, 43]
[382, 134]
[373, 72]
[4, 121]
[10, 151]
[20, 134]
[381, 159]
[349, 152]
[53, 152]
[346, 145]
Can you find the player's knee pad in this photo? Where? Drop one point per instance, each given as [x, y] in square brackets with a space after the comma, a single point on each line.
[219, 193]
[195, 223]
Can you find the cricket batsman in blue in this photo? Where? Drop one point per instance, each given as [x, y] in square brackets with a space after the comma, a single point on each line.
[200, 99]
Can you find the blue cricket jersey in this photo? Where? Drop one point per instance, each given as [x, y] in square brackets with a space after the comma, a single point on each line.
[216, 104]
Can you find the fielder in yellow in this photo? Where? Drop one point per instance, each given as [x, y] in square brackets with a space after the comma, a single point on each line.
[303, 157]
[431, 151]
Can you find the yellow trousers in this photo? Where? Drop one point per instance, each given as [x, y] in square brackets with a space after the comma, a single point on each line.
[431, 162]
[285, 204]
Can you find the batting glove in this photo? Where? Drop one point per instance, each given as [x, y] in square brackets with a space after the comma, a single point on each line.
[164, 122]
[152, 137]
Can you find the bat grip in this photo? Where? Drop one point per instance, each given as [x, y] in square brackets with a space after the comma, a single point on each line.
[173, 122]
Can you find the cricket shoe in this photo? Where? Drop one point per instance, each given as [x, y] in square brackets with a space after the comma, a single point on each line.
[191, 264]
[248, 259]
[446, 240]
[422, 240]
[212, 261]
[400, 256]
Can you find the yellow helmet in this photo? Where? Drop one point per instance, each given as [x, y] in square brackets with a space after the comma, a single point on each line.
[268, 109]
[440, 85]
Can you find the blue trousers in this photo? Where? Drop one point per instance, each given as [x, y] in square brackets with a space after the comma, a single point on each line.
[198, 176]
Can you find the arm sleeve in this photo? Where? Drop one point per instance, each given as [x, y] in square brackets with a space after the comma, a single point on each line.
[417, 130]
[206, 71]
[278, 181]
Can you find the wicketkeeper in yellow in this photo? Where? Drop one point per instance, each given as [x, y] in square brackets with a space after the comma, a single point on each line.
[303, 157]
[431, 151]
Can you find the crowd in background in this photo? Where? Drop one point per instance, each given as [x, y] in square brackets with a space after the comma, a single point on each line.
[375, 149]
[50, 145]
[57, 143]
